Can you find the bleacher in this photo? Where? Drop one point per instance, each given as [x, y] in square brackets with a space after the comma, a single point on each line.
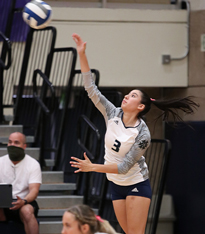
[64, 123]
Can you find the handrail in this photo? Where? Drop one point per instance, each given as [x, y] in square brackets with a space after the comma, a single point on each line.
[91, 156]
[40, 102]
[26, 63]
[95, 130]
[8, 44]
[167, 153]
[44, 108]
[68, 90]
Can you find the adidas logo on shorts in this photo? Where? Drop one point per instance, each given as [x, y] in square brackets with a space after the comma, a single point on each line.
[135, 190]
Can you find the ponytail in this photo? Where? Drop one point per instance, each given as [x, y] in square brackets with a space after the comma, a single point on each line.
[105, 227]
[169, 107]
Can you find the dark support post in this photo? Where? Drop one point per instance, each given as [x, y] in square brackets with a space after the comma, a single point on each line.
[1, 95]
[23, 76]
[3, 55]
[67, 98]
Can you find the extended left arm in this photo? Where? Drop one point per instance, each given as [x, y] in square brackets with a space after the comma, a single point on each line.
[131, 158]
[86, 166]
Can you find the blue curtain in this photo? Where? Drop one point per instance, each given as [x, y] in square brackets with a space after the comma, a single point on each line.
[19, 28]
[186, 176]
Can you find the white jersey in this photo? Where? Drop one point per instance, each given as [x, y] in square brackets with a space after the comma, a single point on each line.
[124, 146]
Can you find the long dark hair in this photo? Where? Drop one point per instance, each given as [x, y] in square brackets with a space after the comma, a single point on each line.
[169, 107]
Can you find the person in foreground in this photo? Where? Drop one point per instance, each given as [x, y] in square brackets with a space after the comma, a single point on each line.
[24, 173]
[81, 219]
[126, 140]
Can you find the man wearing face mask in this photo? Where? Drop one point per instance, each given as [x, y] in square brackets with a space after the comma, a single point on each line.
[24, 173]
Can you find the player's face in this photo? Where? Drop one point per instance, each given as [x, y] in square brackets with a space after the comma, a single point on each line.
[132, 101]
[70, 224]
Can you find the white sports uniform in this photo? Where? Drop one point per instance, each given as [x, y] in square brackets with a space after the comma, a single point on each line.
[123, 145]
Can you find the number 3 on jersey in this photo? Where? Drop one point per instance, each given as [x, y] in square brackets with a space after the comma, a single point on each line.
[116, 146]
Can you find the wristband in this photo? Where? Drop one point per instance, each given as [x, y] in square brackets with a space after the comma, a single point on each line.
[25, 201]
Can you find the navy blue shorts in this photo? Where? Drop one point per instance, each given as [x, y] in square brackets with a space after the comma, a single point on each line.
[142, 189]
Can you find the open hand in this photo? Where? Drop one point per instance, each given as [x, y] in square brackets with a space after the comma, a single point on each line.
[81, 46]
[83, 165]
[17, 204]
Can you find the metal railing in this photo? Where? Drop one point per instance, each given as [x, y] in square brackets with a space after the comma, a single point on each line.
[39, 45]
[157, 158]
[7, 18]
[82, 142]
[7, 43]
[46, 111]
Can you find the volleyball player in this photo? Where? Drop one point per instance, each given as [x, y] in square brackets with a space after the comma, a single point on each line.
[126, 139]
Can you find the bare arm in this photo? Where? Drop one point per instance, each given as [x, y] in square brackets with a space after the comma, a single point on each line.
[31, 196]
[86, 166]
[33, 192]
[81, 46]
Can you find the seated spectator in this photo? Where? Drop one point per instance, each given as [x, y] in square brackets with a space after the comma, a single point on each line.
[24, 173]
[82, 219]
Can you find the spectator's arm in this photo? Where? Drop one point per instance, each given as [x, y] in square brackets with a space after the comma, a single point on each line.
[31, 196]
[33, 192]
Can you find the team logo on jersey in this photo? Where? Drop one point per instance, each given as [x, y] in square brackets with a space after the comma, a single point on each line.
[143, 144]
[116, 121]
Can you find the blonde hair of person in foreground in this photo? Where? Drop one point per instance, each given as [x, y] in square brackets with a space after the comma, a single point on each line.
[81, 219]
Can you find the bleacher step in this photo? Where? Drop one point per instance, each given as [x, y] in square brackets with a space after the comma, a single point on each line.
[6, 130]
[50, 162]
[55, 212]
[58, 202]
[51, 212]
[52, 177]
[53, 227]
[58, 187]
[8, 118]
[29, 139]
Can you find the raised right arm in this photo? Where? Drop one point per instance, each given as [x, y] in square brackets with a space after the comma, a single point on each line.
[103, 105]
[81, 46]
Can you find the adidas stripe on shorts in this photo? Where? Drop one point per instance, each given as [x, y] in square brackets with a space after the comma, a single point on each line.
[142, 189]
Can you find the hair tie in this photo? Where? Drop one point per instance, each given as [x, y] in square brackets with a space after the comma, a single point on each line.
[99, 218]
[152, 99]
